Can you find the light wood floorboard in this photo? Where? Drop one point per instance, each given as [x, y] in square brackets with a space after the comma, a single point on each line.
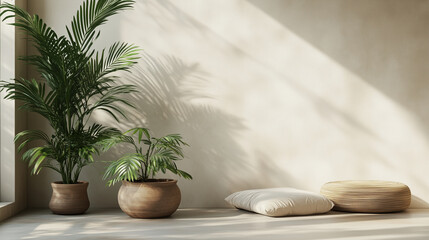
[217, 224]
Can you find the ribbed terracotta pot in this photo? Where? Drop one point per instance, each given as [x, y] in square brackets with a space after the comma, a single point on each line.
[69, 198]
[155, 199]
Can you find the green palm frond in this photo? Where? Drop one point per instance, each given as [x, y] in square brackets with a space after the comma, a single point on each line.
[119, 57]
[90, 16]
[173, 142]
[178, 172]
[108, 99]
[159, 160]
[140, 132]
[107, 143]
[30, 135]
[37, 156]
[31, 93]
[125, 168]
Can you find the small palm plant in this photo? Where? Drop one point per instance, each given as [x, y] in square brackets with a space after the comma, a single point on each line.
[76, 80]
[160, 154]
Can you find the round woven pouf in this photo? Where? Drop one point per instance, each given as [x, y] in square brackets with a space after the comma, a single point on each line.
[367, 196]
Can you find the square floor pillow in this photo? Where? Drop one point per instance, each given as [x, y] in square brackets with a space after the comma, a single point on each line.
[279, 202]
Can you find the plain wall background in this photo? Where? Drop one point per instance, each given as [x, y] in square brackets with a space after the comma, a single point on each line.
[271, 93]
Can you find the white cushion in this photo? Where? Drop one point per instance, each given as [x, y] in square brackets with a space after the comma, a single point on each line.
[277, 202]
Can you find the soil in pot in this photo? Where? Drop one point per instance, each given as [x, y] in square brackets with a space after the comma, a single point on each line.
[155, 198]
[69, 198]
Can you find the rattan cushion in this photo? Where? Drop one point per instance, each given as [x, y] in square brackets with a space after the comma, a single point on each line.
[367, 196]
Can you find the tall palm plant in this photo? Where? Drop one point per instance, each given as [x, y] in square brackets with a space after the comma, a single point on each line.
[76, 80]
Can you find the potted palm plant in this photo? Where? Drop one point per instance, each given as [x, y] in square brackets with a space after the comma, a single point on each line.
[76, 81]
[141, 195]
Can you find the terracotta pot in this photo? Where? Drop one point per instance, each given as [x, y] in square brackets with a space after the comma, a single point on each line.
[69, 198]
[154, 199]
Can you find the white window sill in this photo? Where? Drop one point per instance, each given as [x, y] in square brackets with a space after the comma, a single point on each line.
[4, 204]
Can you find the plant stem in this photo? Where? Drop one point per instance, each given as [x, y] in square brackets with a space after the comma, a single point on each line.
[77, 173]
[147, 164]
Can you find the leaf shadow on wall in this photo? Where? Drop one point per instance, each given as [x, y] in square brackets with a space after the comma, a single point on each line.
[230, 50]
[168, 13]
[167, 101]
[378, 41]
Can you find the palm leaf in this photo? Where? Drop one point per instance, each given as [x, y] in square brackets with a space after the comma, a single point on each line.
[125, 168]
[36, 157]
[27, 136]
[90, 16]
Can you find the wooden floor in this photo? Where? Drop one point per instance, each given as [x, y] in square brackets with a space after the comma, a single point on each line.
[217, 224]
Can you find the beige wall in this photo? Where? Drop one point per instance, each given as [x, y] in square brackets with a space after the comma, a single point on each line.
[272, 93]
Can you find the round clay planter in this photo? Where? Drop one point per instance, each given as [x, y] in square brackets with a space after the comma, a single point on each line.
[69, 198]
[154, 199]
